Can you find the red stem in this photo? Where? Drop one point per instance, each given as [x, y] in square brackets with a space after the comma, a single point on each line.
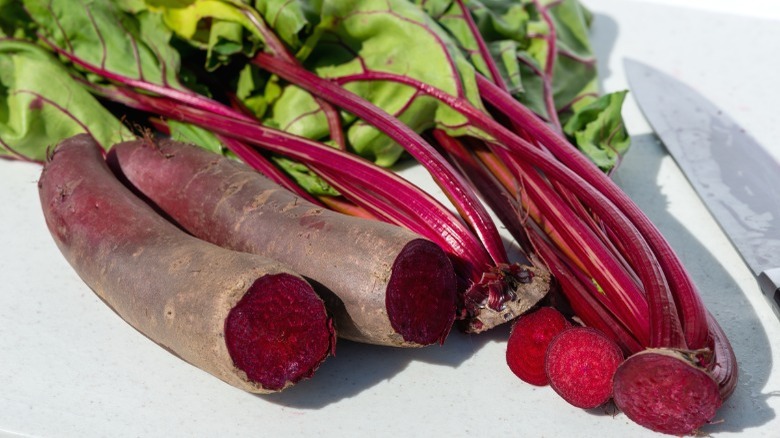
[456, 238]
[447, 178]
[549, 66]
[585, 306]
[692, 310]
[495, 75]
[497, 197]
[666, 330]
[275, 45]
[628, 302]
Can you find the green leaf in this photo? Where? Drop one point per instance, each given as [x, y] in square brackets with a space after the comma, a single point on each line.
[337, 38]
[517, 36]
[503, 26]
[39, 110]
[218, 26]
[187, 133]
[14, 21]
[100, 33]
[304, 177]
[297, 112]
[392, 36]
[598, 130]
[257, 91]
[292, 20]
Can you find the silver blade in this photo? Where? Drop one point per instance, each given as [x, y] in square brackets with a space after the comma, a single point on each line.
[737, 179]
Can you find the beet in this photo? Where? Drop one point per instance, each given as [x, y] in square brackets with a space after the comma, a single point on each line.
[580, 364]
[663, 391]
[527, 345]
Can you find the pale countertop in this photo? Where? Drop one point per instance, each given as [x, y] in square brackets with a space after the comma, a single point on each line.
[70, 367]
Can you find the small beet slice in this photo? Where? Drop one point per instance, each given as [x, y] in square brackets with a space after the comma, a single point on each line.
[661, 390]
[580, 364]
[527, 345]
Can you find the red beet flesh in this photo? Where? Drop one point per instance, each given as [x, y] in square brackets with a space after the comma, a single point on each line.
[662, 391]
[420, 296]
[580, 364]
[277, 333]
[527, 345]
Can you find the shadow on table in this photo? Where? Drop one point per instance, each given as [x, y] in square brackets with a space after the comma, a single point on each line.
[748, 407]
[357, 367]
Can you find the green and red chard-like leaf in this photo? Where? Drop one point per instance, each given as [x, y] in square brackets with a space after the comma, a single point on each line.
[108, 45]
[542, 53]
[503, 27]
[598, 130]
[393, 37]
[108, 38]
[352, 37]
[38, 110]
[225, 29]
[227, 35]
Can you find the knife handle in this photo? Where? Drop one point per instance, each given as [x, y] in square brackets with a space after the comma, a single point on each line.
[769, 281]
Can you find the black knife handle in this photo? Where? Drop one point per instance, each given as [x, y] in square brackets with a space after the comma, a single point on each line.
[769, 281]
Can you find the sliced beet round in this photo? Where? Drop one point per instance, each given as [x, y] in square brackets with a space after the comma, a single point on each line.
[527, 345]
[278, 333]
[580, 364]
[661, 390]
[420, 296]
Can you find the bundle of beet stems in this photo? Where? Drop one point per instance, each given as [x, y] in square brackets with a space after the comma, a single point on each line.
[620, 276]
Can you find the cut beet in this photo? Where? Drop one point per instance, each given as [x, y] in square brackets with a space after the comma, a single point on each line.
[382, 284]
[527, 345]
[580, 364]
[420, 293]
[271, 332]
[663, 391]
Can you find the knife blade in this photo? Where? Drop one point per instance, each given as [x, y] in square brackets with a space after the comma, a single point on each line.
[738, 180]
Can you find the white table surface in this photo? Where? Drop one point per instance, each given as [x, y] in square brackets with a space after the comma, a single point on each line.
[70, 367]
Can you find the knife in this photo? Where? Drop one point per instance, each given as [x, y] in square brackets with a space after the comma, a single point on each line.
[738, 180]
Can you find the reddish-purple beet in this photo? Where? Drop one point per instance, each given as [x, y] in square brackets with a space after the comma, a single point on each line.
[527, 345]
[383, 284]
[269, 333]
[248, 320]
[580, 364]
[663, 391]
[414, 300]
